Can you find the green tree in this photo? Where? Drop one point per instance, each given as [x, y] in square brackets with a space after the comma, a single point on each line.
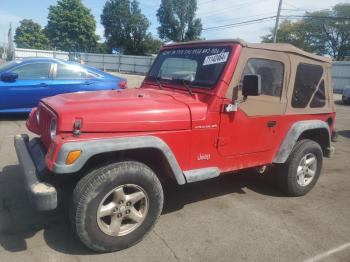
[151, 44]
[71, 26]
[125, 26]
[2, 50]
[324, 32]
[293, 33]
[177, 20]
[101, 48]
[30, 35]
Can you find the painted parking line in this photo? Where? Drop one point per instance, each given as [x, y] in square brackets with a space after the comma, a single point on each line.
[328, 253]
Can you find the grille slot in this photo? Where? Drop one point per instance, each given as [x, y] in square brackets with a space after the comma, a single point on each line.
[44, 125]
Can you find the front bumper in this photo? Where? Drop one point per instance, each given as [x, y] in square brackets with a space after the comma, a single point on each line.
[31, 157]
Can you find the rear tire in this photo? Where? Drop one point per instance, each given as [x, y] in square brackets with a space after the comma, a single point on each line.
[301, 171]
[115, 206]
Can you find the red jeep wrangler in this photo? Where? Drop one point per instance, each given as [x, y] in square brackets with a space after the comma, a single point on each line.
[205, 108]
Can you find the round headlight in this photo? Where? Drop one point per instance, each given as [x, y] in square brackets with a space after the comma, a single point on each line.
[53, 128]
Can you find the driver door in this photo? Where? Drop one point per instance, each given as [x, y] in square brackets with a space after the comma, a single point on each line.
[252, 129]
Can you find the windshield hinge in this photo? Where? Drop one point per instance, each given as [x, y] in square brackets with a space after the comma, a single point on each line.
[77, 127]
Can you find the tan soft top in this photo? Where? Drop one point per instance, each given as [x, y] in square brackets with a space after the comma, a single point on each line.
[279, 47]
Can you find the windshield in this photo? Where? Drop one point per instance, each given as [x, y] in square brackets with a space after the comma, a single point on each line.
[7, 66]
[198, 66]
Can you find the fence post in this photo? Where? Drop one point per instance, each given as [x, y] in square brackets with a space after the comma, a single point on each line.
[134, 65]
[150, 63]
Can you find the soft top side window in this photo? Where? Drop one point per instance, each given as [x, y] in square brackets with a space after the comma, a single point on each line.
[271, 73]
[307, 81]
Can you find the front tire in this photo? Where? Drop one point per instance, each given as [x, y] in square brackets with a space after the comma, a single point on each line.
[300, 173]
[115, 206]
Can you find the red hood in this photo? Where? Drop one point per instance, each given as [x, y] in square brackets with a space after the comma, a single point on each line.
[128, 110]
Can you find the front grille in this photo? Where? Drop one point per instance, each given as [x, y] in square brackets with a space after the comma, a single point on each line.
[45, 116]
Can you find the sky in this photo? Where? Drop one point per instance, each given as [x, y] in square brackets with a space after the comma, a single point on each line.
[212, 12]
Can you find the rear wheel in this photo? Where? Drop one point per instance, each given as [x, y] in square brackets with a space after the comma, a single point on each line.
[114, 207]
[301, 171]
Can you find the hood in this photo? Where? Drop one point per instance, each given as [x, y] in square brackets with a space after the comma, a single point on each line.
[129, 110]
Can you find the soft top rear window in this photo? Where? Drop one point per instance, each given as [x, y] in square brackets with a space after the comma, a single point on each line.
[201, 67]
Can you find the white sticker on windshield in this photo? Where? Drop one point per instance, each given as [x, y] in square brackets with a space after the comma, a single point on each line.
[216, 59]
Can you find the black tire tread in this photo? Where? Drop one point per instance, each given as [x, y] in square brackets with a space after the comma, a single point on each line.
[285, 172]
[86, 185]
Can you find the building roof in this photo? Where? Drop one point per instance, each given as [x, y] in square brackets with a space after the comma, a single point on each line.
[279, 47]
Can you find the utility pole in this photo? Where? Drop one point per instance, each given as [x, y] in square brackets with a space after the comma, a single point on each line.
[10, 47]
[277, 22]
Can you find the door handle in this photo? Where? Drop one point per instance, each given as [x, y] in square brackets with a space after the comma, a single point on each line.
[42, 85]
[271, 123]
[88, 83]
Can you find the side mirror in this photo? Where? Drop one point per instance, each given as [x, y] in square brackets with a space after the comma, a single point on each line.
[9, 77]
[251, 85]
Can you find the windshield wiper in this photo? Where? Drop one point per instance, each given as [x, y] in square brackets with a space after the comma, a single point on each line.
[185, 83]
[156, 78]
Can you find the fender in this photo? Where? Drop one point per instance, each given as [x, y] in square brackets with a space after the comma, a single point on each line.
[94, 147]
[294, 133]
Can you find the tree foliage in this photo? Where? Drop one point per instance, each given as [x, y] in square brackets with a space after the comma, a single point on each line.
[125, 26]
[151, 44]
[324, 32]
[30, 35]
[71, 26]
[177, 20]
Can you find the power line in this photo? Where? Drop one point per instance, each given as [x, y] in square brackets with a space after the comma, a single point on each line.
[287, 3]
[240, 23]
[225, 9]
[295, 8]
[317, 17]
[263, 19]
[243, 17]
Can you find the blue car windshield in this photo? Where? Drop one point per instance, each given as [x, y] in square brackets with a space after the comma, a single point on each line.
[7, 66]
[199, 67]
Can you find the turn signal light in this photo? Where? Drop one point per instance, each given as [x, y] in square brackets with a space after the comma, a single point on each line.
[73, 156]
[122, 84]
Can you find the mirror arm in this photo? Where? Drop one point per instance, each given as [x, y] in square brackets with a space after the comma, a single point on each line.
[233, 107]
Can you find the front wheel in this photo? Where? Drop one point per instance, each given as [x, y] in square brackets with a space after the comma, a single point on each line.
[114, 207]
[301, 171]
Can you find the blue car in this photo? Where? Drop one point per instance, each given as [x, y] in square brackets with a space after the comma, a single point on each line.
[24, 82]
